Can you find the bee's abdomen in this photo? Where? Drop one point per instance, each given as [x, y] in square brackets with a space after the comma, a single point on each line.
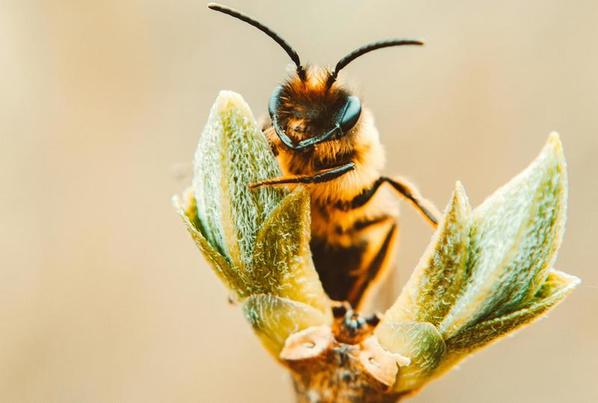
[347, 271]
[354, 246]
[334, 264]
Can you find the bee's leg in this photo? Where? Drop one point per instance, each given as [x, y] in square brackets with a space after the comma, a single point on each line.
[376, 264]
[427, 208]
[324, 175]
[429, 211]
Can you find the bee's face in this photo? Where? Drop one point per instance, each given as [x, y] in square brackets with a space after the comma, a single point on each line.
[313, 109]
[311, 106]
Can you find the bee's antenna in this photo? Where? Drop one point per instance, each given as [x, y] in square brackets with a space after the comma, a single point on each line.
[368, 48]
[284, 44]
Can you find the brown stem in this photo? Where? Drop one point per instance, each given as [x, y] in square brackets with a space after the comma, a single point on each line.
[343, 364]
[338, 382]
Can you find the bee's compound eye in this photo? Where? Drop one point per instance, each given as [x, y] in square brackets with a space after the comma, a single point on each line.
[350, 113]
[274, 103]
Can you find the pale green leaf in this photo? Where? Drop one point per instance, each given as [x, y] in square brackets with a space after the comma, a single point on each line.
[274, 319]
[556, 287]
[232, 153]
[440, 274]
[219, 263]
[484, 274]
[514, 238]
[418, 341]
[282, 263]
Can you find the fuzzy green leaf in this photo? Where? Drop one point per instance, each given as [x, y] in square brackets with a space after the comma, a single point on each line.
[420, 342]
[440, 274]
[556, 287]
[219, 263]
[274, 319]
[484, 274]
[408, 326]
[282, 263]
[232, 153]
[256, 240]
[514, 238]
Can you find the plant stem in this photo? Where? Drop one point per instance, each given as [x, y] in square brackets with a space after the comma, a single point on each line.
[343, 372]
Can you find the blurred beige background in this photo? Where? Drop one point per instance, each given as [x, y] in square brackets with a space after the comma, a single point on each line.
[103, 296]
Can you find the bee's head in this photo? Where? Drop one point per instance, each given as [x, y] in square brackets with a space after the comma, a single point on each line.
[311, 108]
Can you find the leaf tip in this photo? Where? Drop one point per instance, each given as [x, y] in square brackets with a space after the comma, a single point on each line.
[572, 281]
[227, 98]
[554, 138]
[460, 196]
[230, 102]
[555, 147]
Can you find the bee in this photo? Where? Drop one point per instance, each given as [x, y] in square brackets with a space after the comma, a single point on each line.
[326, 140]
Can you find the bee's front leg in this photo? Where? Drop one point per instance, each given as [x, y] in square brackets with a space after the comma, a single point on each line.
[324, 175]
